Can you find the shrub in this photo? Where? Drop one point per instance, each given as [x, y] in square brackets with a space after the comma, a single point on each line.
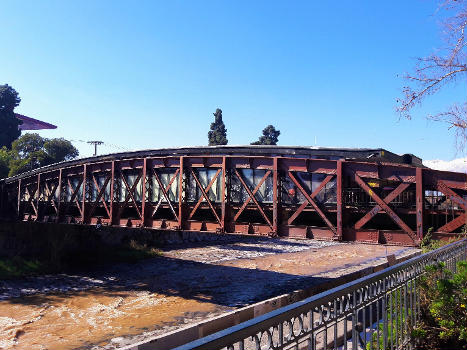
[443, 300]
[428, 243]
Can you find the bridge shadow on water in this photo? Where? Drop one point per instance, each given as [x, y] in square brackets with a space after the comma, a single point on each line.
[228, 286]
[257, 243]
[130, 297]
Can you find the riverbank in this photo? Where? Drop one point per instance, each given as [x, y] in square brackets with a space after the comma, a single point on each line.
[126, 303]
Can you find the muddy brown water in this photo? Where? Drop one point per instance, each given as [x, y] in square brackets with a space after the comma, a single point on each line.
[169, 297]
[73, 321]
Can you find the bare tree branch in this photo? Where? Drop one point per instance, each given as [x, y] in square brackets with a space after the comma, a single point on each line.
[456, 118]
[437, 70]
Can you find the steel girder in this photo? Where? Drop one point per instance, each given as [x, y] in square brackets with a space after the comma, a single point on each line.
[284, 196]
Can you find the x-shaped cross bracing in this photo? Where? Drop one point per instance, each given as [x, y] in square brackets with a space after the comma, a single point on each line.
[75, 194]
[50, 194]
[310, 200]
[376, 209]
[165, 190]
[252, 197]
[100, 195]
[383, 205]
[130, 195]
[204, 192]
[31, 198]
[454, 197]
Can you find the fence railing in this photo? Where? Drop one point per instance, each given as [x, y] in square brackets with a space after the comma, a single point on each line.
[373, 312]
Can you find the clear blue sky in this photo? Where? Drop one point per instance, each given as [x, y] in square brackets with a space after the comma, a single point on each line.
[149, 74]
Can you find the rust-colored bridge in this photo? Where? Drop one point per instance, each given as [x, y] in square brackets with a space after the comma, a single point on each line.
[369, 195]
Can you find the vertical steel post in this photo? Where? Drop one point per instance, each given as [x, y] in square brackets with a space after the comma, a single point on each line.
[385, 314]
[112, 187]
[143, 194]
[19, 199]
[335, 323]
[223, 194]
[420, 201]
[354, 321]
[83, 205]
[59, 195]
[339, 183]
[275, 196]
[180, 195]
[4, 201]
[38, 194]
[2, 195]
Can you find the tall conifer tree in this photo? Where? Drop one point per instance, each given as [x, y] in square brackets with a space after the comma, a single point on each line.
[218, 133]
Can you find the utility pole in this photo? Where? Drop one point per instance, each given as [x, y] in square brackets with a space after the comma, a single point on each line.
[95, 143]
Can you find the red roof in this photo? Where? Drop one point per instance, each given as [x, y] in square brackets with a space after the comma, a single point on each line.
[33, 124]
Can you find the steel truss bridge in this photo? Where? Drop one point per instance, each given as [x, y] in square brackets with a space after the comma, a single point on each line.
[252, 190]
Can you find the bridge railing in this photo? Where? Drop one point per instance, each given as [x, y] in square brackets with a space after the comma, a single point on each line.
[270, 195]
[373, 312]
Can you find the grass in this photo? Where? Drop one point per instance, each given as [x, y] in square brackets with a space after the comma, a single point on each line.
[17, 267]
[131, 253]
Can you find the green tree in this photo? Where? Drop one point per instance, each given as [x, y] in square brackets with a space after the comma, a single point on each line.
[9, 130]
[218, 133]
[270, 136]
[27, 153]
[5, 157]
[32, 151]
[59, 150]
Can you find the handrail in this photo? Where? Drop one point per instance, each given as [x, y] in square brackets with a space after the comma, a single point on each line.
[403, 272]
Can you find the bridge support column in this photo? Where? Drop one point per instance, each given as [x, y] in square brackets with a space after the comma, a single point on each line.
[223, 194]
[420, 202]
[2, 199]
[180, 196]
[59, 195]
[18, 204]
[38, 193]
[83, 209]
[143, 193]
[340, 204]
[112, 189]
[275, 194]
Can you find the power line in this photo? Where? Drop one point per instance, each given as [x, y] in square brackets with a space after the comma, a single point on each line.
[103, 143]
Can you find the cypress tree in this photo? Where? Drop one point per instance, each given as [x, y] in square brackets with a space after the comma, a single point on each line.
[218, 133]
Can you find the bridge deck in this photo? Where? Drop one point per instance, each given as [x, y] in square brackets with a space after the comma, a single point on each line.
[285, 194]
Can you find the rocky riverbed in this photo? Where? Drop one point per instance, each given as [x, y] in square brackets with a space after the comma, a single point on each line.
[124, 303]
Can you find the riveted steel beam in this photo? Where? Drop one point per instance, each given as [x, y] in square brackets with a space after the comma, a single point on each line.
[383, 205]
[313, 203]
[377, 208]
[205, 195]
[72, 189]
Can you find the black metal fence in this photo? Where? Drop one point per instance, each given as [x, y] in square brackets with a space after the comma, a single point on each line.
[373, 312]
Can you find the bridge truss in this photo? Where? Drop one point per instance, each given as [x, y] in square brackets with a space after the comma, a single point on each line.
[373, 202]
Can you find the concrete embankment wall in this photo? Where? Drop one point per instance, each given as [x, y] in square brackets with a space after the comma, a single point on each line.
[187, 334]
[33, 238]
